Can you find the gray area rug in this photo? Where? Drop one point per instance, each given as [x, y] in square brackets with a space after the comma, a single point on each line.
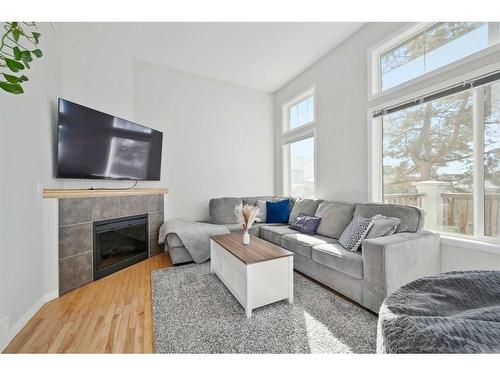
[193, 312]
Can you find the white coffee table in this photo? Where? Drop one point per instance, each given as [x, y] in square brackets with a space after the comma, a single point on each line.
[256, 274]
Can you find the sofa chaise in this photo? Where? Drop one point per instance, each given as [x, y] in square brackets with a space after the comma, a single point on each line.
[366, 276]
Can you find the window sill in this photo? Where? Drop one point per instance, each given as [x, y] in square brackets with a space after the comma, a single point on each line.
[489, 246]
[301, 132]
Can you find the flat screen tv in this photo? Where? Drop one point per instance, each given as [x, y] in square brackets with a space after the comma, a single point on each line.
[95, 145]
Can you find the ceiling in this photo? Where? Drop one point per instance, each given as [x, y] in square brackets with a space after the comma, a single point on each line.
[264, 56]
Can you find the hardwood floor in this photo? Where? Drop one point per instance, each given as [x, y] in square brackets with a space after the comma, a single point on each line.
[111, 315]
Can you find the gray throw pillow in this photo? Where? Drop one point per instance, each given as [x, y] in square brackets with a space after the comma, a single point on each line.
[383, 226]
[261, 205]
[306, 224]
[355, 233]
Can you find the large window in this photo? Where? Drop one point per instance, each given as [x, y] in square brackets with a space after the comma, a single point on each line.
[443, 155]
[298, 141]
[436, 46]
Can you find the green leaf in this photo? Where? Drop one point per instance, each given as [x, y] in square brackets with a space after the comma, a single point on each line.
[14, 24]
[36, 36]
[26, 56]
[14, 65]
[23, 78]
[11, 78]
[37, 53]
[17, 53]
[13, 88]
[16, 33]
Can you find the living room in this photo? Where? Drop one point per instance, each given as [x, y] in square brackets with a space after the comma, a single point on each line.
[250, 187]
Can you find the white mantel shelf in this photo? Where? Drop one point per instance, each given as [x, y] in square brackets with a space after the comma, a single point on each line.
[85, 193]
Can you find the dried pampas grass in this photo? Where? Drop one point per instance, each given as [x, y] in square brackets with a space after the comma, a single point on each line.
[246, 215]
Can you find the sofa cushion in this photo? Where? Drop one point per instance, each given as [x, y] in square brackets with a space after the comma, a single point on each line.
[273, 233]
[252, 201]
[335, 217]
[222, 210]
[302, 243]
[262, 206]
[336, 257]
[412, 218]
[173, 240]
[304, 206]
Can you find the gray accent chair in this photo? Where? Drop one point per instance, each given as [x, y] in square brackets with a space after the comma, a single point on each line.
[366, 276]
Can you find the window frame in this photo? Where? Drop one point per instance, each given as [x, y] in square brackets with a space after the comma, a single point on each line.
[285, 126]
[403, 35]
[289, 136]
[375, 152]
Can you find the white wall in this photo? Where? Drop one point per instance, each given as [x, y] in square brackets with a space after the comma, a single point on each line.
[218, 141]
[342, 105]
[26, 159]
[218, 136]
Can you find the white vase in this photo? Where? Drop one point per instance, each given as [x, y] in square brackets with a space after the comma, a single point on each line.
[246, 238]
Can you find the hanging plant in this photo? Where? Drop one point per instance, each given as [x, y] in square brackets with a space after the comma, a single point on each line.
[18, 45]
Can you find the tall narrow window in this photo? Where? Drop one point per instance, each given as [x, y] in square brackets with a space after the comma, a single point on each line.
[300, 168]
[298, 141]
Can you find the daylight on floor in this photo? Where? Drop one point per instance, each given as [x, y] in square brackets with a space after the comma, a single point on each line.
[249, 188]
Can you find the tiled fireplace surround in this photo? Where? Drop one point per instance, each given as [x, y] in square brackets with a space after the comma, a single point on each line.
[76, 218]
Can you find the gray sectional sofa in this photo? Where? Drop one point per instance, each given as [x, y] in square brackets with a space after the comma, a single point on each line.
[366, 276]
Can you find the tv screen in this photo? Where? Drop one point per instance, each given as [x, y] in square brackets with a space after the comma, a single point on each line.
[92, 144]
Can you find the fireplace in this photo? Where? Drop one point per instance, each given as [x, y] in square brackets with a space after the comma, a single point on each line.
[119, 243]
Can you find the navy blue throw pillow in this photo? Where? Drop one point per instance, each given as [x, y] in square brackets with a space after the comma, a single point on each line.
[278, 212]
[306, 224]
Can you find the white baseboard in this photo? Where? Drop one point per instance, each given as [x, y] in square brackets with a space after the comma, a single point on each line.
[7, 334]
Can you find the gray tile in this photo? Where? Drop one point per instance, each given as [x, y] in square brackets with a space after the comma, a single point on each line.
[155, 203]
[75, 239]
[106, 207]
[74, 271]
[155, 220]
[154, 247]
[75, 210]
[133, 205]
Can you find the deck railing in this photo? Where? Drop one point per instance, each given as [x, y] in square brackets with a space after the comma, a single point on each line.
[457, 210]
[408, 199]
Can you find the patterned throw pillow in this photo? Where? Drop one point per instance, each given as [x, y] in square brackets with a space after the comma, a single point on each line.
[306, 224]
[355, 233]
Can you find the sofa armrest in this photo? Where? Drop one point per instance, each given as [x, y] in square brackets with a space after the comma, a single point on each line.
[392, 261]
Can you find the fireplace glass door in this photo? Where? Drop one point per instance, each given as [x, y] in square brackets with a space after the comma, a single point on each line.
[119, 243]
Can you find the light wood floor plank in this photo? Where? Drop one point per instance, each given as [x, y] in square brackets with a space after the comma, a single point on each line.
[110, 315]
